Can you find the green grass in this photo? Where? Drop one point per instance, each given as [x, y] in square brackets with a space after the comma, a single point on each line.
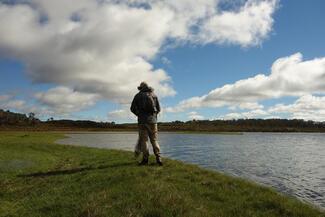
[40, 178]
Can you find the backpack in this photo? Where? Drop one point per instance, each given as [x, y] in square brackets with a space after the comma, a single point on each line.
[150, 104]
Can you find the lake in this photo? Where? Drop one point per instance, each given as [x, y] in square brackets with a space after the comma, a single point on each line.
[293, 163]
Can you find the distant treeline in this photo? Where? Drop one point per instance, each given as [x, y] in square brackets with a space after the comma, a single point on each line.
[246, 125]
[16, 121]
[8, 118]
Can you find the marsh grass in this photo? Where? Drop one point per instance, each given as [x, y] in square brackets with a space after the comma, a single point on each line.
[40, 178]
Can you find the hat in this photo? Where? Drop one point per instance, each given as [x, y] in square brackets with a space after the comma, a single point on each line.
[143, 85]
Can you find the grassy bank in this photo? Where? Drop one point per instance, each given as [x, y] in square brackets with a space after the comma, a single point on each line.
[39, 178]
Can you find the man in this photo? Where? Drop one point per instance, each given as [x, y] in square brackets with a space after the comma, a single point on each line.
[145, 106]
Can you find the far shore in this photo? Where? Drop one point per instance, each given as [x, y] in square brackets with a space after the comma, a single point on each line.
[102, 131]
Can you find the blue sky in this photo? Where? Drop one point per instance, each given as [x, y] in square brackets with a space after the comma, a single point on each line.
[196, 64]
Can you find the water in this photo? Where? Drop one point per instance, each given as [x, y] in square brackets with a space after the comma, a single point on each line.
[293, 163]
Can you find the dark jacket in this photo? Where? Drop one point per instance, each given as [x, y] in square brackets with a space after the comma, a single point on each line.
[146, 106]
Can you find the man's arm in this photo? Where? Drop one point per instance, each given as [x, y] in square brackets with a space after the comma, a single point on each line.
[157, 104]
[134, 108]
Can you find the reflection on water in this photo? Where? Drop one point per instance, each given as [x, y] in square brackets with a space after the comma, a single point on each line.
[293, 163]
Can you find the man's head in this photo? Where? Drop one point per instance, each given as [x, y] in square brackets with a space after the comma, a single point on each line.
[143, 85]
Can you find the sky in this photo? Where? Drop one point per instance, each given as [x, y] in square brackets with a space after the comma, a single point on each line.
[206, 59]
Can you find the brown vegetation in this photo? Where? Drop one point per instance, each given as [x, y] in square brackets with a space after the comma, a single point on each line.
[17, 121]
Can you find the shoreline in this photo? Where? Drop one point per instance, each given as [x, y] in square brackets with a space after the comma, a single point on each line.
[84, 178]
[201, 166]
[92, 131]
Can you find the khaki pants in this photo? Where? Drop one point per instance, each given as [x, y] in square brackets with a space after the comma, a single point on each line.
[151, 131]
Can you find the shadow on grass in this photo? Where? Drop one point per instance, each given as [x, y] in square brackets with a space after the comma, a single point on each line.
[75, 170]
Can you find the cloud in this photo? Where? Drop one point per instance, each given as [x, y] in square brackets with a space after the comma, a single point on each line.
[8, 103]
[121, 115]
[290, 76]
[194, 116]
[105, 47]
[231, 116]
[247, 105]
[248, 26]
[58, 101]
[258, 113]
[62, 100]
[166, 61]
[307, 107]
[105, 52]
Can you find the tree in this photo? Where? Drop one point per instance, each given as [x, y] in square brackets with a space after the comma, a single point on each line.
[31, 116]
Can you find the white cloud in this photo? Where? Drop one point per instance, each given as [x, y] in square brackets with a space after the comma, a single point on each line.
[247, 105]
[257, 113]
[9, 103]
[58, 102]
[62, 100]
[248, 26]
[166, 61]
[106, 52]
[231, 116]
[290, 76]
[121, 115]
[307, 107]
[105, 47]
[194, 116]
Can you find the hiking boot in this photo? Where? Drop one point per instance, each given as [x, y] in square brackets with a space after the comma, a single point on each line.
[159, 162]
[144, 162]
